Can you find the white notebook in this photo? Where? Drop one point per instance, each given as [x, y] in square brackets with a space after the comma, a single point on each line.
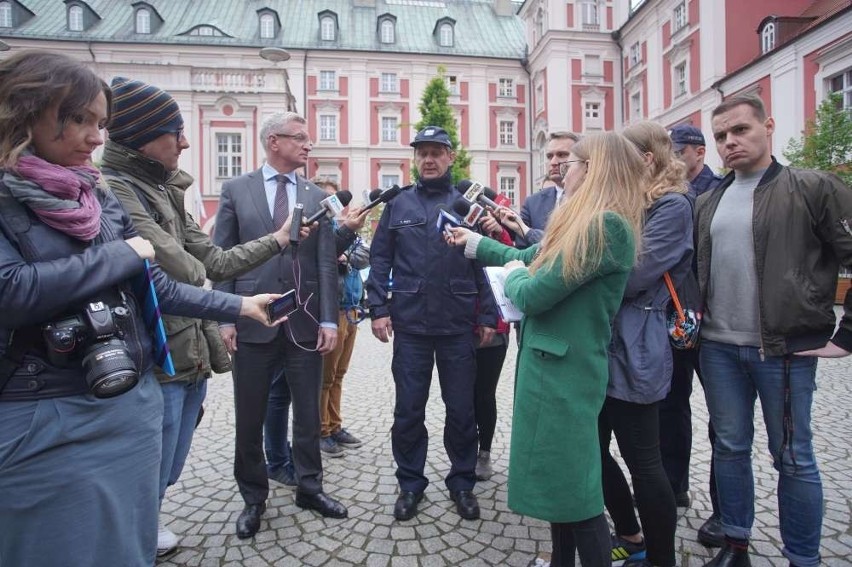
[496, 279]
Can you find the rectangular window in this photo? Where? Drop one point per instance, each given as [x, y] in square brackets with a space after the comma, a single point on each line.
[593, 110]
[507, 188]
[452, 84]
[507, 133]
[328, 81]
[389, 128]
[589, 15]
[636, 106]
[229, 155]
[680, 79]
[679, 17]
[506, 88]
[389, 180]
[328, 127]
[389, 84]
[539, 97]
[842, 84]
[635, 54]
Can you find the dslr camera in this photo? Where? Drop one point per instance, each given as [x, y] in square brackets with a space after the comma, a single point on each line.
[94, 336]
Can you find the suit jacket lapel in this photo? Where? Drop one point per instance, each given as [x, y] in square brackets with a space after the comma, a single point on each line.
[257, 192]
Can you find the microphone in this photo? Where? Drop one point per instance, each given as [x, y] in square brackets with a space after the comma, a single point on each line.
[475, 192]
[469, 212]
[330, 206]
[377, 196]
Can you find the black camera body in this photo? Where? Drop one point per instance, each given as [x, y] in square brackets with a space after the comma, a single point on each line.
[94, 336]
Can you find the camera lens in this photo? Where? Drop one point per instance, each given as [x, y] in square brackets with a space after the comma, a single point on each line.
[109, 369]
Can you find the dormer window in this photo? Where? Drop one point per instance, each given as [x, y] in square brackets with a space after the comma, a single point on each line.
[267, 26]
[206, 31]
[445, 35]
[143, 20]
[387, 29]
[767, 38]
[328, 28]
[6, 15]
[75, 18]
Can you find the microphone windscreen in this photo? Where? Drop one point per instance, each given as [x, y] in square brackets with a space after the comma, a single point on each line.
[464, 185]
[461, 206]
[389, 194]
[490, 193]
[375, 194]
[345, 197]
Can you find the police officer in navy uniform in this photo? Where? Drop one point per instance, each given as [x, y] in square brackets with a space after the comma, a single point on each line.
[438, 298]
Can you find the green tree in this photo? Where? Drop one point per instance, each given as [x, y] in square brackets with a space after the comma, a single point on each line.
[435, 110]
[826, 143]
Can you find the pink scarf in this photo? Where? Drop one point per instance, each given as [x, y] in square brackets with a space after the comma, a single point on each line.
[64, 198]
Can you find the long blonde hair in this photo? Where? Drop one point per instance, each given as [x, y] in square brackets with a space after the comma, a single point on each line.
[613, 182]
[667, 172]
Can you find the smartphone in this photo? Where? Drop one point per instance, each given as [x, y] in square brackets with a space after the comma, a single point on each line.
[283, 306]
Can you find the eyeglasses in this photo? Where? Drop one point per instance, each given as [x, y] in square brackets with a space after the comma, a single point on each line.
[563, 165]
[298, 138]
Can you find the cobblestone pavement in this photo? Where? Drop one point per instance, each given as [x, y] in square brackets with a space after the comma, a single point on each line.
[203, 507]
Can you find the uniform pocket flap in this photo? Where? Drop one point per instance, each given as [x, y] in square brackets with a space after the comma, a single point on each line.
[547, 344]
[404, 284]
[461, 286]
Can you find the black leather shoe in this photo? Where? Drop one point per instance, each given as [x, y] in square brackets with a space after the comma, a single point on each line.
[730, 556]
[322, 503]
[710, 534]
[466, 504]
[249, 521]
[406, 505]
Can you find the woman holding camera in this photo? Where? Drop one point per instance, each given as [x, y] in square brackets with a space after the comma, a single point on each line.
[569, 294]
[80, 411]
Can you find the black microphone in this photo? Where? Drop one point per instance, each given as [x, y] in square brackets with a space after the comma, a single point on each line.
[330, 206]
[476, 192]
[382, 196]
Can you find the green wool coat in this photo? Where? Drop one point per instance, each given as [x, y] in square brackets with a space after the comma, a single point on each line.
[561, 377]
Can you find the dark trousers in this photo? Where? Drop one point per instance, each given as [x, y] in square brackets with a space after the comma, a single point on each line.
[278, 450]
[414, 356]
[676, 425]
[637, 432]
[489, 364]
[590, 538]
[255, 365]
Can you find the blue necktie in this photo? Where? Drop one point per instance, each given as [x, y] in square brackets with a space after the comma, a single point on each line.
[154, 319]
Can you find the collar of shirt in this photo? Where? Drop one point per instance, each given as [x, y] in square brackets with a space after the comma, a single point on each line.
[270, 184]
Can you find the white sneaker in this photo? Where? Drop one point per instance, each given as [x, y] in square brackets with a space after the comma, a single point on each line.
[167, 541]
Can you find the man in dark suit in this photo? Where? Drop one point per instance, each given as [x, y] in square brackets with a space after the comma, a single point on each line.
[537, 207]
[251, 205]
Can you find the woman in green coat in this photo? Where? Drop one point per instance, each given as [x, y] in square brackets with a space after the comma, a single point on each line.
[569, 288]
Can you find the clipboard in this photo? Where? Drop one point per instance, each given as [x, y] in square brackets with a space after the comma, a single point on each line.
[508, 311]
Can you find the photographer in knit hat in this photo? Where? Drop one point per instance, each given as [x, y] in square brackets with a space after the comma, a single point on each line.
[140, 163]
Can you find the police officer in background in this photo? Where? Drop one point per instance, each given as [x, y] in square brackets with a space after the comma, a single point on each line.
[433, 312]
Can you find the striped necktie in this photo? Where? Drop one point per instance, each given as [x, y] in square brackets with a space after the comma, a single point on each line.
[281, 207]
[147, 296]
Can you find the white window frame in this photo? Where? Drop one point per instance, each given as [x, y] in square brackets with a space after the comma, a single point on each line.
[6, 15]
[446, 35]
[387, 31]
[845, 89]
[389, 83]
[233, 155]
[592, 115]
[206, 31]
[389, 126]
[589, 14]
[636, 112]
[767, 38]
[327, 80]
[680, 79]
[679, 17]
[267, 26]
[635, 54]
[389, 179]
[327, 127]
[506, 131]
[75, 18]
[143, 21]
[452, 82]
[506, 87]
[328, 29]
[509, 187]
[539, 96]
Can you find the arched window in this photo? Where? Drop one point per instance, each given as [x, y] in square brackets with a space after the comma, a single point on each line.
[206, 30]
[327, 28]
[387, 29]
[75, 18]
[768, 37]
[143, 20]
[446, 35]
[5, 14]
[267, 26]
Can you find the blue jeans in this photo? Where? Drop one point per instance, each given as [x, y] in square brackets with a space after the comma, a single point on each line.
[181, 404]
[734, 377]
[275, 444]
